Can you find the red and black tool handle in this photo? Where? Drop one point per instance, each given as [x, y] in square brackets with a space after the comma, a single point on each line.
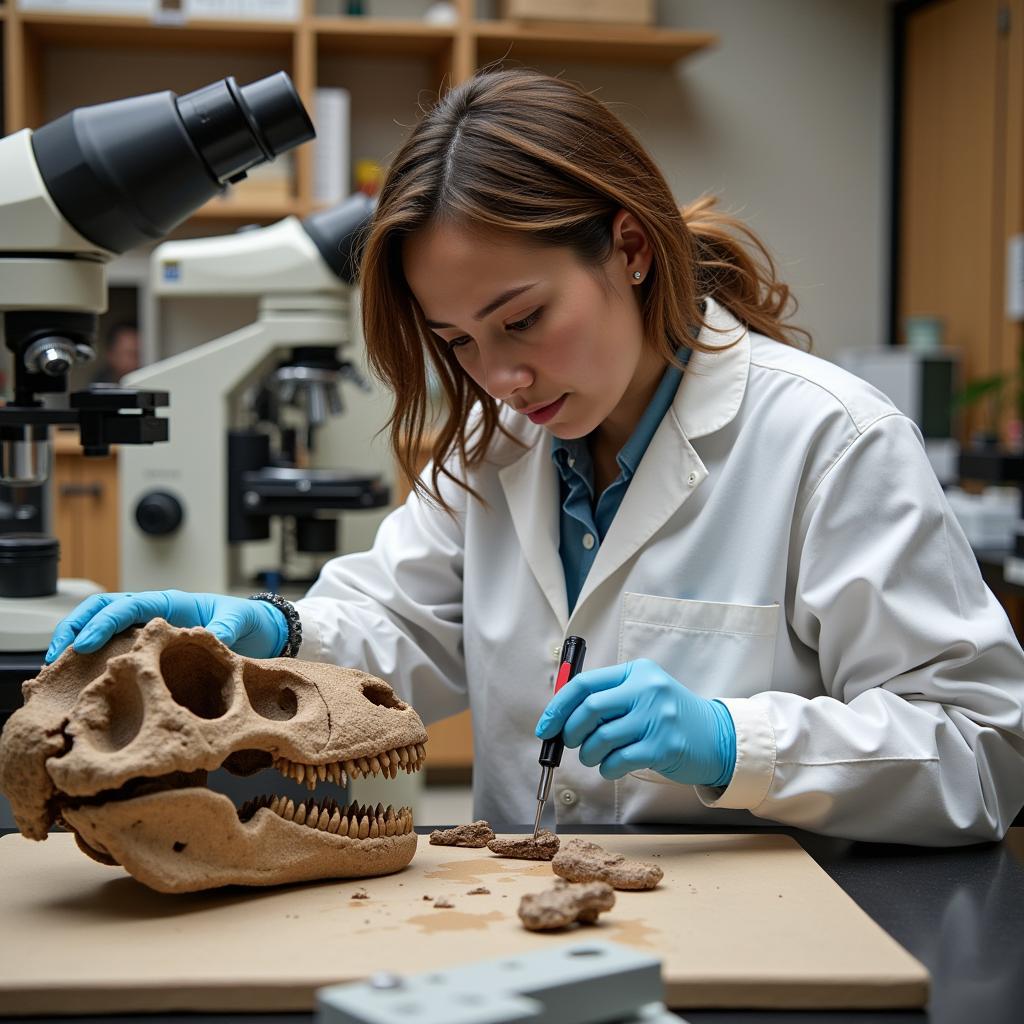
[571, 664]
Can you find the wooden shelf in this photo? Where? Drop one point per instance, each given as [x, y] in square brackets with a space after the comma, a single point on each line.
[621, 44]
[382, 36]
[304, 48]
[374, 36]
[123, 32]
[242, 208]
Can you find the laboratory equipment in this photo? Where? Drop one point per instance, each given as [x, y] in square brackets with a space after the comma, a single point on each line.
[586, 982]
[247, 410]
[73, 194]
[923, 386]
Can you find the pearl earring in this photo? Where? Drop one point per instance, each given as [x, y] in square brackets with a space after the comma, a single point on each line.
[637, 275]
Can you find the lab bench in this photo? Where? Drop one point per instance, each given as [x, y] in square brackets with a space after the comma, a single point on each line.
[960, 911]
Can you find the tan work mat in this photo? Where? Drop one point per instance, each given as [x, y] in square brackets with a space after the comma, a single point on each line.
[738, 921]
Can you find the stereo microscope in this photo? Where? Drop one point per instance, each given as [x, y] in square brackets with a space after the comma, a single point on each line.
[74, 194]
[247, 410]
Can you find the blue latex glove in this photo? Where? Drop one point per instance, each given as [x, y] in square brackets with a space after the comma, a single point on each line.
[253, 628]
[632, 716]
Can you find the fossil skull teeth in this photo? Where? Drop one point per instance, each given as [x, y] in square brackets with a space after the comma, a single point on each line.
[329, 816]
[386, 763]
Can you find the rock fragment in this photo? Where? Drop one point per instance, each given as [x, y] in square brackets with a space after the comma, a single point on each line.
[565, 904]
[584, 861]
[544, 847]
[474, 835]
[480, 890]
[443, 903]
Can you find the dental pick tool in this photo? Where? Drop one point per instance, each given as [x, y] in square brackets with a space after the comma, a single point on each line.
[570, 665]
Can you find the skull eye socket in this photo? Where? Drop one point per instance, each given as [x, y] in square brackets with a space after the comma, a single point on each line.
[197, 679]
[270, 693]
[120, 707]
[383, 697]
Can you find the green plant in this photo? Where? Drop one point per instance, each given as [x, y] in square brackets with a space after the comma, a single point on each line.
[996, 390]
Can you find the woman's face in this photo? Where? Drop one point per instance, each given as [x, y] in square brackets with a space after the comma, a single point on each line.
[553, 339]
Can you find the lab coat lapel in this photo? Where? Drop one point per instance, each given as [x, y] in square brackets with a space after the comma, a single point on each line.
[531, 490]
[708, 398]
[668, 474]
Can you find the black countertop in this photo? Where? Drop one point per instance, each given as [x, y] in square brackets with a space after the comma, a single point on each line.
[959, 911]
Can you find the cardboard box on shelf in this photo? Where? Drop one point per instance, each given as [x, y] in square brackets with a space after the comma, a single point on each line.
[267, 183]
[331, 156]
[621, 12]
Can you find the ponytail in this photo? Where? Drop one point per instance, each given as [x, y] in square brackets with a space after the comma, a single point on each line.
[733, 266]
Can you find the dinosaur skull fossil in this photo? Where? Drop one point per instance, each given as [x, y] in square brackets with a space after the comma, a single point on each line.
[116, 746]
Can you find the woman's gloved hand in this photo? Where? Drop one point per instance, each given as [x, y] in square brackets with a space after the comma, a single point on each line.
[253, 628]
[634, 716]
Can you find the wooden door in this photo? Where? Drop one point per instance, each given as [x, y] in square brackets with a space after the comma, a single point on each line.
[85, 513]
[961, 179]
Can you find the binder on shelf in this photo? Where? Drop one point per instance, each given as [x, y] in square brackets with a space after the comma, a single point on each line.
[145, 8]
[331, 150]
[242, 10]
[271, 184]
[623, 12]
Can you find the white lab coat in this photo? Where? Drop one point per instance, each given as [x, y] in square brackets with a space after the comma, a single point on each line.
[784, 546]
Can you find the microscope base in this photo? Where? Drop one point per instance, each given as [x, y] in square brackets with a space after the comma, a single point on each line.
[27, 623]
[26, 627]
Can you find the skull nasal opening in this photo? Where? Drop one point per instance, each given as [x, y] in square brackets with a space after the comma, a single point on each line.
[197, 679]
[271, 692]
[383, 696]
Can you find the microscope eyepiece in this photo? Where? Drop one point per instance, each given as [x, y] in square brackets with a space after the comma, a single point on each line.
[129, 171]
[236, 128]
[278, 111]
[339, 233]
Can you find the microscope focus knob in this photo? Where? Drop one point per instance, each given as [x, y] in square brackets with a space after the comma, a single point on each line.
[159, 513]
[53, 356]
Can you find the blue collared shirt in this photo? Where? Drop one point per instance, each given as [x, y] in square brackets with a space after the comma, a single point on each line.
[584, 522]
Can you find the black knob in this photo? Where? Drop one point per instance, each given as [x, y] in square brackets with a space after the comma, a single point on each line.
[159, 513]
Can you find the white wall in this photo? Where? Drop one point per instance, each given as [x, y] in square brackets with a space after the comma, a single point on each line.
[788, 120]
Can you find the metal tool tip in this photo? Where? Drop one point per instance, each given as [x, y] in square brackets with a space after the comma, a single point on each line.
[536, 823]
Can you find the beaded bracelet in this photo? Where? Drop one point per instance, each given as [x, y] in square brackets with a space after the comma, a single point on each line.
[294, 641]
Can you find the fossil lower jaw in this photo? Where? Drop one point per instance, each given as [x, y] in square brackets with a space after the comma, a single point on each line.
[247, 762]
[349, 824]
[185, 840]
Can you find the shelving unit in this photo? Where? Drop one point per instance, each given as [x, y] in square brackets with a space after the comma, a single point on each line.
[53, 62]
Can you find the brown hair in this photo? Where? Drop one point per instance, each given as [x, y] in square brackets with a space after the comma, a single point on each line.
[522, 152]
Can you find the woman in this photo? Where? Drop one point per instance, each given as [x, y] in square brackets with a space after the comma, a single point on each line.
[783, 620]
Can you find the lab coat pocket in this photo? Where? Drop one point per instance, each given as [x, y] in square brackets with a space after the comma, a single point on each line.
[715, 649]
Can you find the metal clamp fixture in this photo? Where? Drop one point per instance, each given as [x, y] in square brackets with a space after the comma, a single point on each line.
[580, 983]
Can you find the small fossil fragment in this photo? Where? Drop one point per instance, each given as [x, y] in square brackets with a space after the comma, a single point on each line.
[360, 894]
[474, 835]
[544, 847]
[564, 904]
[480, 890]
[443, 903]
[583, 861]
